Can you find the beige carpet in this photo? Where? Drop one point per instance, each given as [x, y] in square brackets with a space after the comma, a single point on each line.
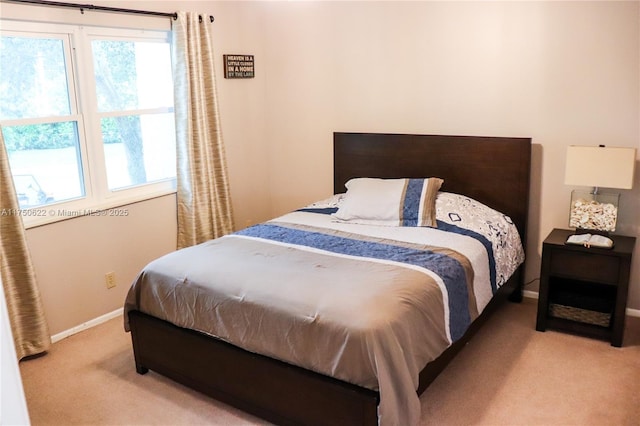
[509, 374]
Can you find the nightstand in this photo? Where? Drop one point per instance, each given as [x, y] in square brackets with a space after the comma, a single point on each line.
[584, 290]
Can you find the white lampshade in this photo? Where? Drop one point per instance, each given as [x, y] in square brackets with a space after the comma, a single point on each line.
[600, 166]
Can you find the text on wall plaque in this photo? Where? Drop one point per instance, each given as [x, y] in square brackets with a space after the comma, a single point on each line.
[238, 66]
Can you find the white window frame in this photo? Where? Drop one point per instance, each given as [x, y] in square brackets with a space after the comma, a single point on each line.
[83, 104]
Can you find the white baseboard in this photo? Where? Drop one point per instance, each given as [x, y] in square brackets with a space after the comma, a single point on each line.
[534, 295]
[87, 325]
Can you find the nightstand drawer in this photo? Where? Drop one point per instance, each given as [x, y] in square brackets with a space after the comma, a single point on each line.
[585, 266]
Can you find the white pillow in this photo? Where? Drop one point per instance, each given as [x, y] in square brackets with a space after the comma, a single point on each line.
[390, 202]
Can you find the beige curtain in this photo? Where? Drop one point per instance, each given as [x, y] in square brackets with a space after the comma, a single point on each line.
[204, 203]
[26, 315]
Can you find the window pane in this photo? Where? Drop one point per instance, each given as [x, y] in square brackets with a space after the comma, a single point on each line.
[139, 149]
[33, 79]
[132, 75]
[45, 162]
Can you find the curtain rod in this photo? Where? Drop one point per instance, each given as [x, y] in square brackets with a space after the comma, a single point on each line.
[82, 7]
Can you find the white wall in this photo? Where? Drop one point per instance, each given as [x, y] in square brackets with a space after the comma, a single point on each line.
[563, 73]
[13, 406]
[560, 72]
[72, 257]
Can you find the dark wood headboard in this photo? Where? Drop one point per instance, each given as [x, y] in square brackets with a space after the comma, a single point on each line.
[492, 170]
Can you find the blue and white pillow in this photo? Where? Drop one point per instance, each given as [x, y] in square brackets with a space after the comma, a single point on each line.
[390, 202]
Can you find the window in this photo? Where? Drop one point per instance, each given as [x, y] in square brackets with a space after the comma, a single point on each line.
[40, 119]
[134, 89]
[87, 117]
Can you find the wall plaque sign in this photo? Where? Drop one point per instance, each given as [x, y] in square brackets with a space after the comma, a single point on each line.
[238, 66]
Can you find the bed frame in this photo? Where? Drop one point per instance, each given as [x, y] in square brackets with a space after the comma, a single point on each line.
[493, 170]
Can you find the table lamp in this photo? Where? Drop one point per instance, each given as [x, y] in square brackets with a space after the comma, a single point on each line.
[597, 166]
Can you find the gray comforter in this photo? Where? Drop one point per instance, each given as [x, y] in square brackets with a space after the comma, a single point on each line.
[368, 305]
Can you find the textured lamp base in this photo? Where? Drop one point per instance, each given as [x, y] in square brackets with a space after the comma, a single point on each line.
[593, 213]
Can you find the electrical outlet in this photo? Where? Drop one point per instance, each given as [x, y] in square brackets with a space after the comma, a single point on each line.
[110, 279]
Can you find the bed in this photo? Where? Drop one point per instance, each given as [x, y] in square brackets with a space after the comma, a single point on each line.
[327, 378]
